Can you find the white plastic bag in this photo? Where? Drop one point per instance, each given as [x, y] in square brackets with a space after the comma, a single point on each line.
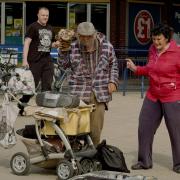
[24, 83]
[8, 116]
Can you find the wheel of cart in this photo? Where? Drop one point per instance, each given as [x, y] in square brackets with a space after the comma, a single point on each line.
[65, 170]
[90, 165]
[20, 164]
[78, 170]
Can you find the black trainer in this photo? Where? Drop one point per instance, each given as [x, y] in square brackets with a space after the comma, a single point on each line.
[176, 169]
[138, 166]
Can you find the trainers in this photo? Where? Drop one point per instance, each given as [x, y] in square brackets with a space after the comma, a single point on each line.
[176, 169]
[138, 166]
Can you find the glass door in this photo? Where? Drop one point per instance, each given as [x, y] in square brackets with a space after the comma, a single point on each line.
[99, 17]
[77, 14]
[13, 23]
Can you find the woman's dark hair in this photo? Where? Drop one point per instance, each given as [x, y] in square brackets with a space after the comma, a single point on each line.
[163, 29]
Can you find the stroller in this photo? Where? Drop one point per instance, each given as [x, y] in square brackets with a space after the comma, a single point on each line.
[60, 140]
[60, 137]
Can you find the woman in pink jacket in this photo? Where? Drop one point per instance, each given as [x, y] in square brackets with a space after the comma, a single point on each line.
[162, 98]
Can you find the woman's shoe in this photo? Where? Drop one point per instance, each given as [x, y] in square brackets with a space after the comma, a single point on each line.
[176, 169]
[138, 166]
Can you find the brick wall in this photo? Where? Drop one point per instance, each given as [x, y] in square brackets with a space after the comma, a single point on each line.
[118, 22]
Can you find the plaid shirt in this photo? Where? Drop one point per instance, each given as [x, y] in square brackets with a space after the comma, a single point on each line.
[90, 74]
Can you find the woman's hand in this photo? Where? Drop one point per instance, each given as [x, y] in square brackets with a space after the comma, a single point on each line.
[131, 65]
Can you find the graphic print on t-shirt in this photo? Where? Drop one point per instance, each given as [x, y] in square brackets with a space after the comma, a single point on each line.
[45, 37]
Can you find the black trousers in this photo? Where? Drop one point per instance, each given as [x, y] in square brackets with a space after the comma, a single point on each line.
[149, 120]
[42, 70]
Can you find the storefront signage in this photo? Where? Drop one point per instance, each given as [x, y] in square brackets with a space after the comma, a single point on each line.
[143, 24]
[9, 20]
[142, 18]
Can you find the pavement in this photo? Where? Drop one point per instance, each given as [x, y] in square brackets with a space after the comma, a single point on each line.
[120, 129]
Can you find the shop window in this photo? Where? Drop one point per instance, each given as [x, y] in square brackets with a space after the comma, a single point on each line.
[13, 23]
[77, 14]
[99, 17]
[57, 13]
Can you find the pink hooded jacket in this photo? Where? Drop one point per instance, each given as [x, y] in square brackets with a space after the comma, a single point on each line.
[164, 74]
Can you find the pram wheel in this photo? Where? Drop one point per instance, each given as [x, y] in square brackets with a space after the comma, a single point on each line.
[64, 170]
[88, 165]
[97, 165]
[20, 164]
[78, 171]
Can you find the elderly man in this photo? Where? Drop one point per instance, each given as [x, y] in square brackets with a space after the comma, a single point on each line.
[94, 74]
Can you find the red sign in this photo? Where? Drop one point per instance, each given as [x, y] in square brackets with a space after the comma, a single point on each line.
[143, 24]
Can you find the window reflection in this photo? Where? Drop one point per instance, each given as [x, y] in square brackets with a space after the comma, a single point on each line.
[99, 17]
[13, 23]
[77, 14]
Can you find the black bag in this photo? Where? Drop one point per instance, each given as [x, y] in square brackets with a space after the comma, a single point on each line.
[111, 158]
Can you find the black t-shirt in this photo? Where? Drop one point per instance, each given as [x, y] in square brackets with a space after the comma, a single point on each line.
[42, 38]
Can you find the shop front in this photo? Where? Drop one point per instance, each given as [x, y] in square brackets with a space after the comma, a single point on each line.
[17, 15]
